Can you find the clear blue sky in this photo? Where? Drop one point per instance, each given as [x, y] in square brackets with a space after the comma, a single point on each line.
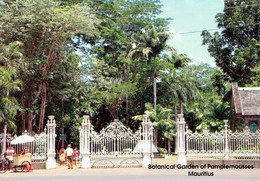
[189, 16]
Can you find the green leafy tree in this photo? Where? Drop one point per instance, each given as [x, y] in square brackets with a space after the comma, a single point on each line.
[11, 56]
[112, 94]
[216, 113]
[122, 23]
[208, 108]
[152, 43]
[8, 104]
[219, 81]
[236, 48]
[45, 28]
[163, 121]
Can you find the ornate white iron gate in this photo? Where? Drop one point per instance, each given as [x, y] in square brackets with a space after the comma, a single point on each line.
[116, 145]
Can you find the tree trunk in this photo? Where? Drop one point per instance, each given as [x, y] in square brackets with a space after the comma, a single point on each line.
[30, 114]
[43, 105]
[125, 73]
[169, 147]
[62, 108]
[4, 139]
[176, 137]
[154, 90]
[22, 114]
[134, 76]
[176, 112]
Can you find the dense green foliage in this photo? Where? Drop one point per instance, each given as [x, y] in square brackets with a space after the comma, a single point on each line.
[236, 48]
[236, 52]
[106, 58]
[45, 29]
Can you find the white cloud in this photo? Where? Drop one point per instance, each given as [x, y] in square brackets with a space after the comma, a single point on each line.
[200, 60]
[176, 36]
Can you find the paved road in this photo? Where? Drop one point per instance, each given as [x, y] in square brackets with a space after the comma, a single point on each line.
[131, 178]
[129, 174]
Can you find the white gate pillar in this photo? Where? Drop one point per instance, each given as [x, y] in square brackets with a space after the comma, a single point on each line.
[226, 140]
[181, 138]
[51, 125]
[176, 140]
[147, 141]
[85, 142]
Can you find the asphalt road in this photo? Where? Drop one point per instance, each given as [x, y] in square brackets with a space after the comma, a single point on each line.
[61, 173]
[132, 178]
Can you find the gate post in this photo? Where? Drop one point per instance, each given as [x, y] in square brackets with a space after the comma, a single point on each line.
[176, 139]
[85, 142]
[51, 125]
[147, 145]
[226, 140]
[181, 134]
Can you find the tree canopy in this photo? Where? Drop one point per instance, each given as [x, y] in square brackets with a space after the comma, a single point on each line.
[236, 48]
[111, 59]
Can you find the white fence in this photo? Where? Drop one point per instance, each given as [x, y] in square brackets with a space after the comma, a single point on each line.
[205, 143]
[238, 145]
[38, 148]
[245, 144]
[9, 138]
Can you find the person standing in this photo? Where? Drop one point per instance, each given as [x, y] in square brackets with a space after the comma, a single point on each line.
[69, 153]
[76, 155]
[62, 156]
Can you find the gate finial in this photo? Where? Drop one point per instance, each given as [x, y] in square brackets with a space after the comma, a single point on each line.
[85, 119]
[116, 120]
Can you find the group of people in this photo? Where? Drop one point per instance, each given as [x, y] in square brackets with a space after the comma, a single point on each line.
[69, 154]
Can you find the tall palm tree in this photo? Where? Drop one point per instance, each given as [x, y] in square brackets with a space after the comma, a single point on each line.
[177, 60]
[182, 86]
[8, 104]
[10, 62]
[151, 43]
